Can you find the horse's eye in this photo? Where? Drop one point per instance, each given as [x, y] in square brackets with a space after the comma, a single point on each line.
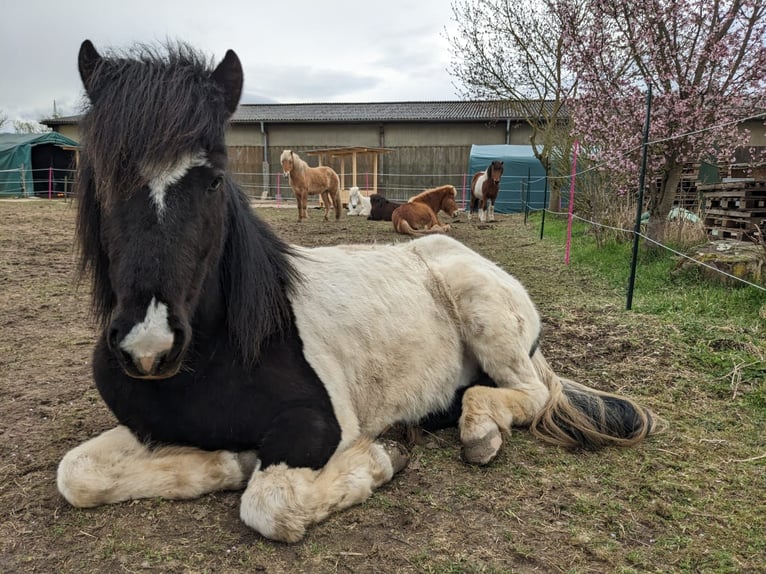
[216, 184]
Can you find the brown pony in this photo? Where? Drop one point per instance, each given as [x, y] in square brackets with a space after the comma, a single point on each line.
[485, 186]
[418, 216]
[307, 181]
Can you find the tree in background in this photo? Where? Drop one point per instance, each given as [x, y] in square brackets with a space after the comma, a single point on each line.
[3, 119]
[514, 50]
[24, 127]
[706, 62]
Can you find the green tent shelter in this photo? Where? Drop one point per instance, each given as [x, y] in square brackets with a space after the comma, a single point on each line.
[523, 175]
[36, 164]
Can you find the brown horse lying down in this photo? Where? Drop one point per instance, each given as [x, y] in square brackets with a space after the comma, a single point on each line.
[381, 209]
[418, 216]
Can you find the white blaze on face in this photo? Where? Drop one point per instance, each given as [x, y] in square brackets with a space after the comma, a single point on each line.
[150, 338]
[161, 179]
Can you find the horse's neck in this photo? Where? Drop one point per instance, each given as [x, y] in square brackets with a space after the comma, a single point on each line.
[298, 173]
[435, 201]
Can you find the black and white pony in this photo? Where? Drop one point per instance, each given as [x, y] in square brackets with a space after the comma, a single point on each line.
[223, 353]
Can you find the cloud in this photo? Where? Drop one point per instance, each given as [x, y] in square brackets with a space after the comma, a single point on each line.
[292, 52]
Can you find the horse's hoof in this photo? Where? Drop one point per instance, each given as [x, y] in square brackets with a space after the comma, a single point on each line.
[483, 450]
[397, 452]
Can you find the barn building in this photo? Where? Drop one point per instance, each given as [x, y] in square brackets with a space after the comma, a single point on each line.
[410, 146]
[395, 148]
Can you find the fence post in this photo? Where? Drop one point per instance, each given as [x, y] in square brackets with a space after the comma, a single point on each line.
[545, 203]
[640, 206]
[464, 180]
[571, 200]
[50, 183]
[23, 179]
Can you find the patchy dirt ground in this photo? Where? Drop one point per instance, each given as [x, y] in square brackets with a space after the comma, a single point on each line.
[682, 502]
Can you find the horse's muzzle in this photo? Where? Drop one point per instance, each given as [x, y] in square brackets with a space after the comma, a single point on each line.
[148, 349]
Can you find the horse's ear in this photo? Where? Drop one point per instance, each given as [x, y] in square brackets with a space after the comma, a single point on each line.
[229, 75]
[87, 61]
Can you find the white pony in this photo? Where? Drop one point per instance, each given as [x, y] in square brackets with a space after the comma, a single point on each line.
[358, 204]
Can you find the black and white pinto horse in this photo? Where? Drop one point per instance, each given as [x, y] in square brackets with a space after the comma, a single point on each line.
[223, 352]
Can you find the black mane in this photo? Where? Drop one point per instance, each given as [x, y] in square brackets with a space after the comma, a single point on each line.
[257, 277]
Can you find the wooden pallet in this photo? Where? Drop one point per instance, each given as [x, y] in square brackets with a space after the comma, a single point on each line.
[734, 209]
[728, 233]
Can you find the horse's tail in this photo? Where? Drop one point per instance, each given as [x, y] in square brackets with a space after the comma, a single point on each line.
[335, 194]
[577, 416]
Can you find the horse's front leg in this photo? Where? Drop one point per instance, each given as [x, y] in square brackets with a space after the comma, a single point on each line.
[483, 211]
[280, 502]
[491, 210]
[115, 466]
[303, 206]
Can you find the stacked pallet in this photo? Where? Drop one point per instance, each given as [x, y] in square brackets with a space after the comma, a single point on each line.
[734, 210]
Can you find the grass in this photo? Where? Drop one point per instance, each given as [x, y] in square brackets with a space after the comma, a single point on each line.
[722, 327]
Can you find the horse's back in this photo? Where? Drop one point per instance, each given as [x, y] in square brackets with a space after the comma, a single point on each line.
[477, 183]
[376, 302]
[397, 318]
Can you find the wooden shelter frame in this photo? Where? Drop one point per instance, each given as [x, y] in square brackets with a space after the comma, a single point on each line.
[326, 155]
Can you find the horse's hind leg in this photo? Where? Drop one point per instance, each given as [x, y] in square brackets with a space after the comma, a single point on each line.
[472, 208]
[280, 502]
[326, 202]
[500, 331]
[115, 466]
[488, 412]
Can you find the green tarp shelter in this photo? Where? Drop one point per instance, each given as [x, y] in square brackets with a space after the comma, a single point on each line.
[522, 172]
[35, 164]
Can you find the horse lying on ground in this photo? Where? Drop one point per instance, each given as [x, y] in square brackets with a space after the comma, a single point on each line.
[485, 186]
[358, 204]
[419, 215]
[307, 181]
[381, 209]
[222, 353]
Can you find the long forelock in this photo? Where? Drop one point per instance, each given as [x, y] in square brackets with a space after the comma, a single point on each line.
[149, 109]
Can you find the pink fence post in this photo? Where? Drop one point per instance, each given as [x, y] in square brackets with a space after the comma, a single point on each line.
[571, 201]
[279, 195]
[50, 182]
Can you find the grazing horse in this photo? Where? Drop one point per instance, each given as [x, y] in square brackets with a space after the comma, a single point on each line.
[307, 181]
[358, 204]
[418, 216]
[222, 353]
[485, 185]
[381, 209]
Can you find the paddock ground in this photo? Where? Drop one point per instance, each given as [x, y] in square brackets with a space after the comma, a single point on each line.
[682, 502]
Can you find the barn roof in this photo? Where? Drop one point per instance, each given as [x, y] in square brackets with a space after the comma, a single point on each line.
[466, 111]
[13, 141]
[386, 111]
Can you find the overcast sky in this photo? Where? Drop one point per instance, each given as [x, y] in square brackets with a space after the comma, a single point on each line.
[291, 50]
